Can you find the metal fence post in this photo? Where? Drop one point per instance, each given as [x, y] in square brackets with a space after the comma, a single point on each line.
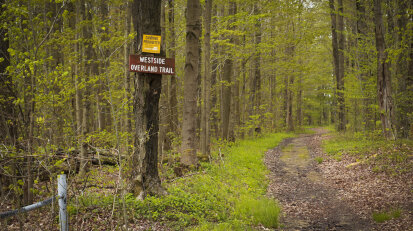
[62, 194]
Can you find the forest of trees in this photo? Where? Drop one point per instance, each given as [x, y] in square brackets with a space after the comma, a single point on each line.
[243, 67]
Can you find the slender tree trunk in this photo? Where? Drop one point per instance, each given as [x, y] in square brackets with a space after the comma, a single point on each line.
[163, 143]
[299, 101]
[88, 68]
[214, 94]
[127, 50]
[340, 74]
[404, 68]
[257, 67]
[383, 76]
[362, 60]
[227, 81]
[193, 31]
[290, 51]
[205, 126]
[173, 101]
[244, 90]
[226, 96]
[77, 80]
[235, 98]
[143, 164]
[334, 44]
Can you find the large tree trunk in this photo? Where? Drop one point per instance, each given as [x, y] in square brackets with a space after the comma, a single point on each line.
[144, 178]
[383, 76]
[193, 31]
[205, 127]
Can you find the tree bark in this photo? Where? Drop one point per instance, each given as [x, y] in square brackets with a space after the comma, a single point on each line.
[404, 69]
[255, 90]
[205, 126]
[78, 91]
[383, 76]
[234, 112]
[173, 101]
[257, 64]
[290, 51]
[127, 50]
[299, 113]
[88, 70]
[144, 177]
[227, 82]
[334, 41]
[340, 73]
[163, 143]
[193, 31]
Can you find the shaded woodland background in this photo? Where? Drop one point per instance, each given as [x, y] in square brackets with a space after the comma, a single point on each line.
[66, 94]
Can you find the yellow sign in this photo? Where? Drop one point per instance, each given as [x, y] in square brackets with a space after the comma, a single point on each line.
[151, 44]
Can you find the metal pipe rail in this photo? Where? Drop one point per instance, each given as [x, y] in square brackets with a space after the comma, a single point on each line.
[28, 208]
[61, 197]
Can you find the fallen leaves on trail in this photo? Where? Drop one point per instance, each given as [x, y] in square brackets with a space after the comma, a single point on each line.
[367, 191]
[356, 187]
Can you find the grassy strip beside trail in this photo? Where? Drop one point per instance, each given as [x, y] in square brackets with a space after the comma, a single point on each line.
[225, 194]
[388, 156]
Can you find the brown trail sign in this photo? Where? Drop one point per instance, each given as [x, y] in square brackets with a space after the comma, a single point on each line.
[150, 64]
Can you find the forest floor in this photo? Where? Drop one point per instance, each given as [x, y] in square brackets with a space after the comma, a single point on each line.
[318, 192]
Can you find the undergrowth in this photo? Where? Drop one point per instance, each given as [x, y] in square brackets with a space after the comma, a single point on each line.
[227, 194]
[390, 157]
[383, 216]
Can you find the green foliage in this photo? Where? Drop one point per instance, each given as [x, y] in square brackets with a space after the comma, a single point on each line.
[260, 211]
[383, 216]
[319, 160]
[94, 199]
[391, 157]
[221, 195]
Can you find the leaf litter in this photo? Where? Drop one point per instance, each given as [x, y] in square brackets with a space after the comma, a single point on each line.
[332, 194]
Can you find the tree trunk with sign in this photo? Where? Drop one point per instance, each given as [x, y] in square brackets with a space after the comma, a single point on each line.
[143, 164]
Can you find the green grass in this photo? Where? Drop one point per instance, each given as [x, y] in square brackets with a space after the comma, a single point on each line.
[223, 196]
[381, 217]
[391, 157]
[319, 160]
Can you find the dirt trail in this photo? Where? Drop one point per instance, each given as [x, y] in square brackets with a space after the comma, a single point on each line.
[308, 202]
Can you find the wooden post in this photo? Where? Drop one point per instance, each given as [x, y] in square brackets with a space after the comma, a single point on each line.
[62, 194]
